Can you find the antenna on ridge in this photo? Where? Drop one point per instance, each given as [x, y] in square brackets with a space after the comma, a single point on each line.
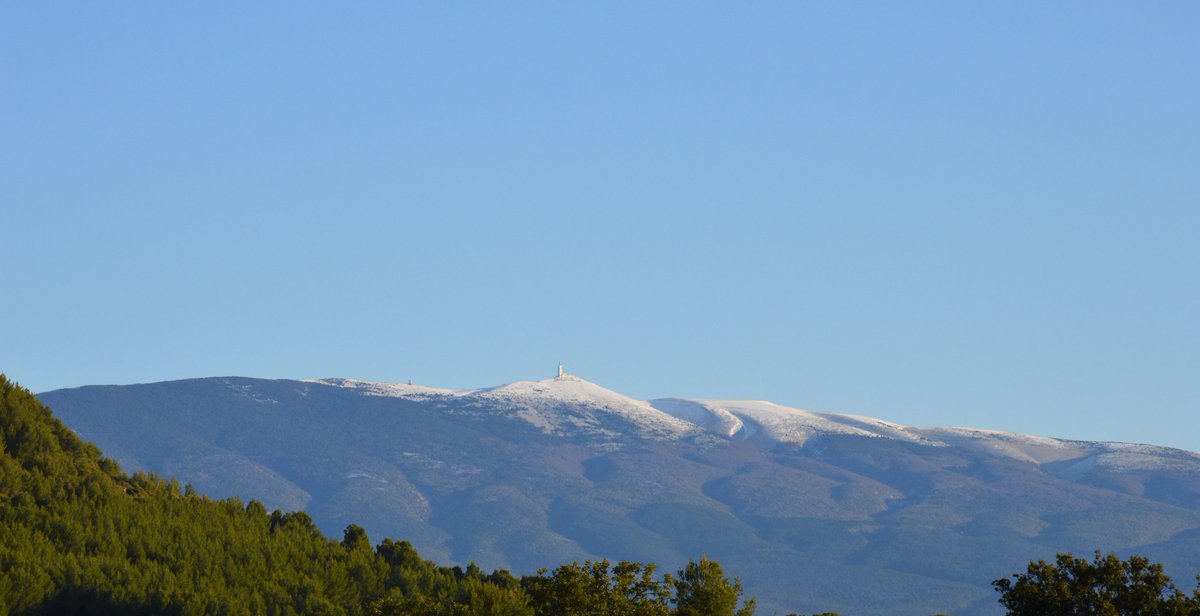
[560, 370]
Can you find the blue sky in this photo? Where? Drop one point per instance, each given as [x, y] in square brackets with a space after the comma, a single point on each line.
[935, 213]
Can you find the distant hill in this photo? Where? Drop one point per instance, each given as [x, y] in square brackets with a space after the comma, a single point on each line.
[814, 511]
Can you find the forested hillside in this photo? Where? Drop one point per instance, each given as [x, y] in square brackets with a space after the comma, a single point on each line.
[80, 536]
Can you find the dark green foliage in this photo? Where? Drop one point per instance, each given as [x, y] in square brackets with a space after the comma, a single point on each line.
[81, 537]
[1104, 586]
[703, 590]
[593, 589]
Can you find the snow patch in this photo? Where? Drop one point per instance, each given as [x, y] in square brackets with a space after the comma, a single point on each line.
[247, 391]
[768, 424]
[711, 418]
[1035, 449]
[1136, 457]
[387, 390]
[570, 405]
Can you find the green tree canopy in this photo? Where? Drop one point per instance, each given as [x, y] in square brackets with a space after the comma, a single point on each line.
[703, 590]
[1103, 586]
[599, 589]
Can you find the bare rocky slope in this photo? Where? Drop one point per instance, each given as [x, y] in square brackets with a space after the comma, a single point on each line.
[814, 511]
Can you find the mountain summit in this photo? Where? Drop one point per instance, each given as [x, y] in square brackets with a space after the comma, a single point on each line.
[816, 511]
[565, 405]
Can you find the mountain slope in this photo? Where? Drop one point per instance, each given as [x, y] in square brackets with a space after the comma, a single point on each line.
[814, 511]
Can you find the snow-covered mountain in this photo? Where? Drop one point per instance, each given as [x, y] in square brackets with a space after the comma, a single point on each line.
[815, 511]
[571, 406]
[562, 406]
[769, 425]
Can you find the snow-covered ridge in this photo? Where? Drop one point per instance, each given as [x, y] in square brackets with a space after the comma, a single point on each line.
[767, 423]
[568, 405]
[564, 405]
[1130, 457]
[1036, 449]
[388, 390]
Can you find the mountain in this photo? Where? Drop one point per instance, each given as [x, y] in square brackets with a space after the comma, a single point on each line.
[814, 511]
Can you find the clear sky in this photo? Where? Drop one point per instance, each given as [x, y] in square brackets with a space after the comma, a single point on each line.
[937, 213]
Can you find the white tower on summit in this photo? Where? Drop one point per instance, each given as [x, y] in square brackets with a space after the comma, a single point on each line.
[560, 371]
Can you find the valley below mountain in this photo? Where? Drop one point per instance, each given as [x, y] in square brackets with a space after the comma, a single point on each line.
[814, 511]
